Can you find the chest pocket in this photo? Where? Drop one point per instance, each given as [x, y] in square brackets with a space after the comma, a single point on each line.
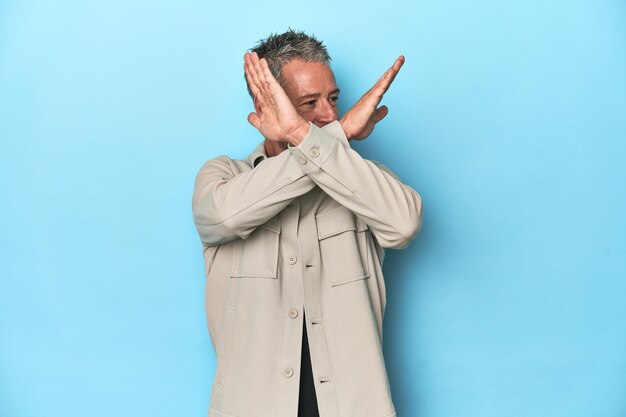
[257, 256]
[343, 246]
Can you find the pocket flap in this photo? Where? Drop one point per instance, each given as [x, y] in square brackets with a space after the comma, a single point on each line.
[257, 255]
[335, 221]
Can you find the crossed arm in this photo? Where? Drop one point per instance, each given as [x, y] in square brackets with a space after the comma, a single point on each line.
[229, 204]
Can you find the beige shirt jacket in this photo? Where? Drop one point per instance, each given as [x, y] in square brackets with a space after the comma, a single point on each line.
[302, 231]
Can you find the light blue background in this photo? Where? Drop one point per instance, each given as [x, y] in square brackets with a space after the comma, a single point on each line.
[508, 118]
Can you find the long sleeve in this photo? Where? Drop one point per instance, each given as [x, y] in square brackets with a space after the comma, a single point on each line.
[391, 209]
[229, 201]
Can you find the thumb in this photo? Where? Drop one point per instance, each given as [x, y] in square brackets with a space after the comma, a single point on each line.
[254, 120]
[381, 112]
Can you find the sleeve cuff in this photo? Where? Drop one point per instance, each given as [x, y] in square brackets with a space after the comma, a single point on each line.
[335, 129]
[317, 146]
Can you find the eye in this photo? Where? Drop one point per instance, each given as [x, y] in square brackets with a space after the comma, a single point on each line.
[333, 99]
[310, 103]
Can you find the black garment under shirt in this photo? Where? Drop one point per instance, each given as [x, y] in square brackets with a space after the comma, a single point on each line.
[307, 404]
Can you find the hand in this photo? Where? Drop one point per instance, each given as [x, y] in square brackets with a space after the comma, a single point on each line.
[275, 116]
[358, 122]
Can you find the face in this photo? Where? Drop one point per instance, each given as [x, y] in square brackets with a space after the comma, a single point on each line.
[312, 89]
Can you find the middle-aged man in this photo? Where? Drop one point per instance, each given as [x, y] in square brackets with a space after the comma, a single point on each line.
[294, 239]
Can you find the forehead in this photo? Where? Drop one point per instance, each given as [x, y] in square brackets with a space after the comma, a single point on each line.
[308, 77]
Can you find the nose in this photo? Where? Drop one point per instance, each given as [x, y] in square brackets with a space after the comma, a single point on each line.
[327, 113]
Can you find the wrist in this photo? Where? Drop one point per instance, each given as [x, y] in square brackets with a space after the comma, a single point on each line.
[297, 135]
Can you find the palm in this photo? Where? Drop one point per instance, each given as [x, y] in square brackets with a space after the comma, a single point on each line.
[275, 116]
[359, 122]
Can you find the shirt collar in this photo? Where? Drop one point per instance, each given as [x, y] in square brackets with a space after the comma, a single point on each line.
[258, 155]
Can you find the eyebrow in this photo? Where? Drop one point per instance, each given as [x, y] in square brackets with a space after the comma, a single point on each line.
[317, 95]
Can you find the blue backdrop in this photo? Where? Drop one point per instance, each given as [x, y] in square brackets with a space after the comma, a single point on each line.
[508, 118]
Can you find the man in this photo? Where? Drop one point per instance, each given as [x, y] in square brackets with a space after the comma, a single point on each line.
[294, 238]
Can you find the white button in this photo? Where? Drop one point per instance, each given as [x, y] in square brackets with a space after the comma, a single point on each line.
[302, 159]
[288, 372]
[293, 313]
[292, 260]
[315, 151]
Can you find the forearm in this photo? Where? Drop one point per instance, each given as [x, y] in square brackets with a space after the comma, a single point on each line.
[392, 209]
[229, 205]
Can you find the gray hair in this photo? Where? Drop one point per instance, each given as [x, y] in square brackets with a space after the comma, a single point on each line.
[279, 49]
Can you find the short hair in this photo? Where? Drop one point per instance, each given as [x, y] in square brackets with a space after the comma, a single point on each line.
[280, 49]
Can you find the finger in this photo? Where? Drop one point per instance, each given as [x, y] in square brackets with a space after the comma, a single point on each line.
[381, 113]
[266, 71]
[399, 63]
[258, 70]
[395, 69]
[252, 72]
[383, 83]
[251, 81]
[254, 120]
